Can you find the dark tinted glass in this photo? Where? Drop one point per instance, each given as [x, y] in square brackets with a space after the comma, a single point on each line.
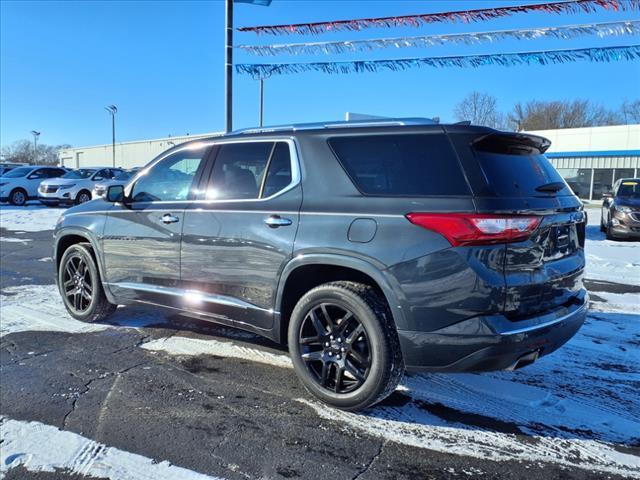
[629, 189]
[279, 174]
[401, 165]
[517, 175]
[238, 170]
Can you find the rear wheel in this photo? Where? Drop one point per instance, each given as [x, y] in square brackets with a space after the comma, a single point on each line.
[18, 197]
[83, 197]
[344, 345]
[603, 227]
[80, 286]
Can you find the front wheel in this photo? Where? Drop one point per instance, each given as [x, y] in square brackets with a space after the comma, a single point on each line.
[18, 197]
[344, 345]
[80, 286]
[83, 197]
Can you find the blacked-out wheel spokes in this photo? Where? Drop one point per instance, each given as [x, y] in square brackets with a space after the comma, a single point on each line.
[335, 348]
[77, 285]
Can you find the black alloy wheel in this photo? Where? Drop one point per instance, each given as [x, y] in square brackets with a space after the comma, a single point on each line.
[344, 345]
[335, 348]
[77, 283]
[18, 197]
[80, 286]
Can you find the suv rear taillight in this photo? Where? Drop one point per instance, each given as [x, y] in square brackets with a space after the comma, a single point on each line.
[477, 229]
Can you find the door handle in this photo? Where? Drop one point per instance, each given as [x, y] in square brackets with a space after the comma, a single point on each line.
[168, 218]
[275, 221]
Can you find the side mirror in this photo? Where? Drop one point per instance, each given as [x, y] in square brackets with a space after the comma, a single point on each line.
[115, 193]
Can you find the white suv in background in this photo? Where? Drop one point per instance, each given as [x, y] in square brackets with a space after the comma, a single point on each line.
[21, 183]
[75, 186]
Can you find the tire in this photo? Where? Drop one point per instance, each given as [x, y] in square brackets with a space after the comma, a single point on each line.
[603, 227]
[95, 309]
[318, 358]
[18, 197]
[83, 196]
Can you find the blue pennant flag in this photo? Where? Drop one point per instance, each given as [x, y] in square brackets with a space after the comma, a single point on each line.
[263, 3]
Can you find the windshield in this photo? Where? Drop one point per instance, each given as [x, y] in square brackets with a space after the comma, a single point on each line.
[629, 189]
[123, 176]
[82, 173]
[18, 172]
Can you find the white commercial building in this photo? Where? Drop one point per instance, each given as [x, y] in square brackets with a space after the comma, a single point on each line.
[590, 159]
[128, 154]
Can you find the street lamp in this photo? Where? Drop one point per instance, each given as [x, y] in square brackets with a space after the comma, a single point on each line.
[35, 144]
[112, 109]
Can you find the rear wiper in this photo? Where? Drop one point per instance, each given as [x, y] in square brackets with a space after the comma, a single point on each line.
[551, 187]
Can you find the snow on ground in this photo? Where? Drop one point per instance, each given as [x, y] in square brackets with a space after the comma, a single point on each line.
[567, 408]
[44, 448]
[40, 308]
[32, 218]
[610, 260]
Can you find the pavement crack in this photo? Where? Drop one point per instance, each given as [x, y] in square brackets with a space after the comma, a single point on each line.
[371, 462]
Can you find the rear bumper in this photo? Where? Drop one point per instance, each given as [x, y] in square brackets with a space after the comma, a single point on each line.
[492, 342]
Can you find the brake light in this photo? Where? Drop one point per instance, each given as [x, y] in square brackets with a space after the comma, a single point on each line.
[477, 229]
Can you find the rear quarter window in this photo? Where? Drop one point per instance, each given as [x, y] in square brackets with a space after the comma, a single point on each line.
[401, 165]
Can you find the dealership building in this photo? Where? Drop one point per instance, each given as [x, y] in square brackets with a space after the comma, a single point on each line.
[590, 159]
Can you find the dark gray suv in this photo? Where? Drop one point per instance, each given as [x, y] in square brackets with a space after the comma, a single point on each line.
[370, 248]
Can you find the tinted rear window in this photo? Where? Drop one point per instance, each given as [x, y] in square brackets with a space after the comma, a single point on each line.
[518, 175]
[401, 165]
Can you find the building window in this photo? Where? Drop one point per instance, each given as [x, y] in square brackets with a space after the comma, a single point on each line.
[623, 173]
[579, 179]
[602, 182]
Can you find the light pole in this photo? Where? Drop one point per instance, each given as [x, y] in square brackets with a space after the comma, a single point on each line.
[112, 109]
[35, 144]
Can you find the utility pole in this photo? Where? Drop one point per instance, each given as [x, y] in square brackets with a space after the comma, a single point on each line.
[35, 144]
[261, 116]
[112, 109]
[228, 67]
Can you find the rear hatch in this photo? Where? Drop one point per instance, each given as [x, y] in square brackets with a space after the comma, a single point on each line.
[510, 175]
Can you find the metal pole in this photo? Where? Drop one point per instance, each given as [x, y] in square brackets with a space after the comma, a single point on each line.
[228, 66]
[35, 148]
[261, 116]
[113, 138]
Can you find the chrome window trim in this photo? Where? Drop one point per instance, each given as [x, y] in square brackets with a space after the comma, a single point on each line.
[296, 171]
[181, 292]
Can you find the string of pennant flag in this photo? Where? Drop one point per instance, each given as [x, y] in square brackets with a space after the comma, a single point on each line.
[541, 57]
[572, 31]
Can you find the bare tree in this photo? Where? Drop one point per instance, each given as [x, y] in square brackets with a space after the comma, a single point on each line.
[539, 115]
[481, 109]
[22, 151]
[630, 110]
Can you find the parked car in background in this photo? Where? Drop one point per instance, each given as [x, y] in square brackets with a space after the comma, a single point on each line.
[75, 186]
[620, 217]
[5, 167]
[20, 184]
[100, 188]
[367, 247]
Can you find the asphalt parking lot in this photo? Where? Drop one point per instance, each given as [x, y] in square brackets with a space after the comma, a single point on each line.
[152, 395]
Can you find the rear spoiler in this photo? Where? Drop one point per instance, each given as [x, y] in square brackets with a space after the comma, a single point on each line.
[512, 143]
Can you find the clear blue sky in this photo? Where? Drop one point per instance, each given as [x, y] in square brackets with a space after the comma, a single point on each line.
[161, 63]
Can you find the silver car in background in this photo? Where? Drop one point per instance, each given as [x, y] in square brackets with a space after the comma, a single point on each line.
[122, 178]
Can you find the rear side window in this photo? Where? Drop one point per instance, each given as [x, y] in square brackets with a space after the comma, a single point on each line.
[401, 165]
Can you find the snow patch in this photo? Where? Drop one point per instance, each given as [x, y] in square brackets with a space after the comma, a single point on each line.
[413, 427]
[44, 448]
[40, 308]
[33, 218]
[610, 260]
[195, 346]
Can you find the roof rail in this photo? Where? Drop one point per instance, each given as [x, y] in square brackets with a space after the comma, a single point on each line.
[338, 124]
